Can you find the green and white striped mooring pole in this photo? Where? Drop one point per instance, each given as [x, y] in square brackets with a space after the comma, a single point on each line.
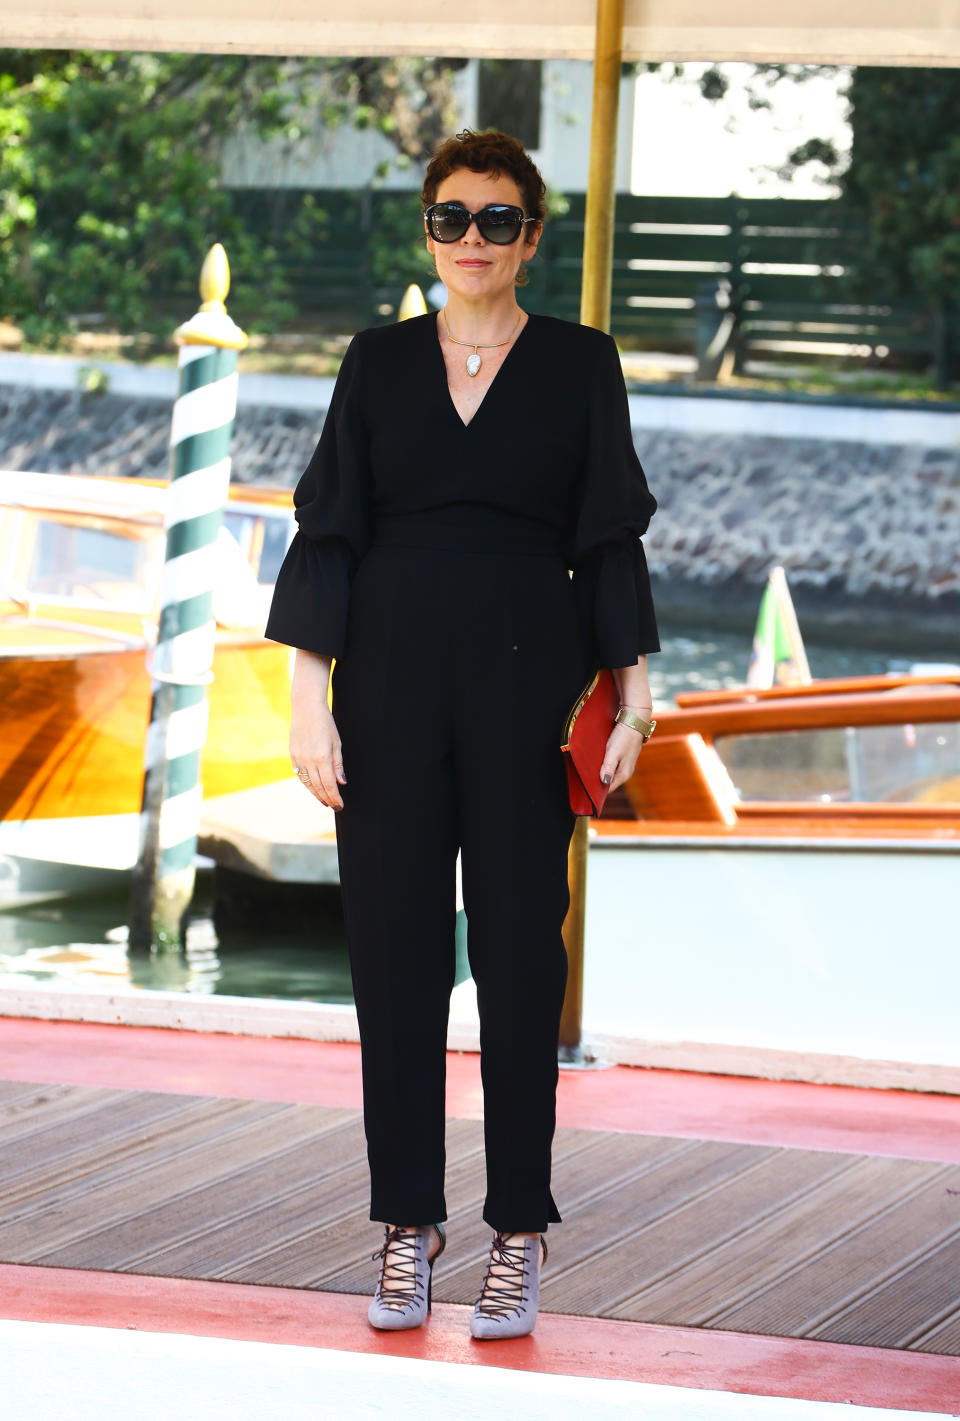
[180, 662]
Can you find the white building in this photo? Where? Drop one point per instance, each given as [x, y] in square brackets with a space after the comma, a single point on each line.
[671, 140]
[552, 118]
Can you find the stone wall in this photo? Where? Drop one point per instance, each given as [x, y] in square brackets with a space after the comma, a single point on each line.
[62, 432]
[869, 532]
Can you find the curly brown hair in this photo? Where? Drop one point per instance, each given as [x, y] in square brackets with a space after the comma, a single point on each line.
[488, 152]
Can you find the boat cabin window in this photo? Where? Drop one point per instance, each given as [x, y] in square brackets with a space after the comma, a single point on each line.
[84, 560]
[95, 561]
[901, 764]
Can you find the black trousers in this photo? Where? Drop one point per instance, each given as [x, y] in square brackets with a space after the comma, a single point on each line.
[458, 670]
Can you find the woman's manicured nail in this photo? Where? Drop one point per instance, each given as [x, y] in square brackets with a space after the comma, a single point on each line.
[606, 778]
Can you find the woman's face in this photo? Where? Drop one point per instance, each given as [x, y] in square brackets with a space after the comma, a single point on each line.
[472, 267]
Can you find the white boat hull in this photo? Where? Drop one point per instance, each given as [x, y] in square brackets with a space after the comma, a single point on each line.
[764, 960]
[43, 859]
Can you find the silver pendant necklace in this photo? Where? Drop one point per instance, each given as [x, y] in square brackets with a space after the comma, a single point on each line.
[473, 361]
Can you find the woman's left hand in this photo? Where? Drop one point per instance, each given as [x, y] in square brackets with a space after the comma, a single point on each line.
[621, 755]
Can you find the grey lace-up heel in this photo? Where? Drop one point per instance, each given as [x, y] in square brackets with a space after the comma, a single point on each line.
[507, 1307]
[408, 1266]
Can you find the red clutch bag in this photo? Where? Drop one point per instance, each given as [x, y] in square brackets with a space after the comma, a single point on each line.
[585, 734]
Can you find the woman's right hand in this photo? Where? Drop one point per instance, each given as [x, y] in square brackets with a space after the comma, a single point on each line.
[314, 738]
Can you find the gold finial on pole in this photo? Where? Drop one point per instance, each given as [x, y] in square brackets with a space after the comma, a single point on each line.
[215, 279]
[211, 325]
[413, 303]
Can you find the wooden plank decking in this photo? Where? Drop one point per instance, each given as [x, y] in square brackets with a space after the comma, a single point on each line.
[750, 1238]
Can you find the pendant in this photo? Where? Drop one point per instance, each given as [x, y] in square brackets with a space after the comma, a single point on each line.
[473, 363]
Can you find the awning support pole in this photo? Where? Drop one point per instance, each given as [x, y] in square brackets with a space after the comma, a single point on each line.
[602, 179]
[594, 311]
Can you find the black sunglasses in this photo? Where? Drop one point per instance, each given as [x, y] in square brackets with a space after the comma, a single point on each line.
[497, 222]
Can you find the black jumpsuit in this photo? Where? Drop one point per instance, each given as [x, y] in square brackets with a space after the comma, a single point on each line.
[432, 562]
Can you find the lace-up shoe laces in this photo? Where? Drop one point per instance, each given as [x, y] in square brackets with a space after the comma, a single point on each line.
[507, 1306]
[402, 1298]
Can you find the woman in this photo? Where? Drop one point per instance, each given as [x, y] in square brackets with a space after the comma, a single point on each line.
[468, 462]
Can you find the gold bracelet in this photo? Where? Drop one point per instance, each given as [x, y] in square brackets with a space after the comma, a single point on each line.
[625, 716]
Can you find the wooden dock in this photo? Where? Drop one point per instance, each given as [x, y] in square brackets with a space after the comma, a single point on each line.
[183, 1215]
[276, 831]
[704, 1233]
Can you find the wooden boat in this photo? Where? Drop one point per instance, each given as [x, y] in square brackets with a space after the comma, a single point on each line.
[874, 756]
[81, 560]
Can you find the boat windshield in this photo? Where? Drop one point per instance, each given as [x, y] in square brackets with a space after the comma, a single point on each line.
[88, 561]
[900, 764]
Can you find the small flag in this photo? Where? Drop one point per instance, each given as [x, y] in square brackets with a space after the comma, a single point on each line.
[778, 657]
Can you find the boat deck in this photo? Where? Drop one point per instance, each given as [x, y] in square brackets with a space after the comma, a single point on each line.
[716, 1214]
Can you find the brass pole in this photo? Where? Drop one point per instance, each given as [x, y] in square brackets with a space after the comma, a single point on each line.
[602, 179]
[594, 311]
[571, 1028]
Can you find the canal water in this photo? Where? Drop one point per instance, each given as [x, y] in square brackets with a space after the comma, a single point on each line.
[257, 950]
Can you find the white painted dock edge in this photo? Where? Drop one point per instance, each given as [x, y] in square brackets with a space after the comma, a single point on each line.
[313, 1021]
[234, 1016]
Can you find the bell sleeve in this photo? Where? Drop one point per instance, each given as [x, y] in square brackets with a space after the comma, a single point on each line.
[311, 597]
[610, 576]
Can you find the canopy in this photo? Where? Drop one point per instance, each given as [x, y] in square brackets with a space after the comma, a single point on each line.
[924, 32]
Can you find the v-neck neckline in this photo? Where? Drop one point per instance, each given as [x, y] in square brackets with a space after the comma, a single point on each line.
[468, 424]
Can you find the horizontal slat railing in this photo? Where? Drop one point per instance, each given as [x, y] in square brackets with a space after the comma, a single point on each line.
[854, 708]
[347, 257]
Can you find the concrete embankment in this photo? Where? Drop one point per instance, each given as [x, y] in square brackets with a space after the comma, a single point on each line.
[860, 503]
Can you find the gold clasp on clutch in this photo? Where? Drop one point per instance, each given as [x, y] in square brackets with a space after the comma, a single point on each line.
[575, 710]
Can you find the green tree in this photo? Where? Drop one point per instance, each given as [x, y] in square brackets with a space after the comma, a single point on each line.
[109, 164]
[901, 188]
[899, 183]
[900, 180]
[903, 178]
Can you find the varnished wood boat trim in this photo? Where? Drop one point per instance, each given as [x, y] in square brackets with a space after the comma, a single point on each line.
[911, 705]
[870, 810]
[828, 686]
